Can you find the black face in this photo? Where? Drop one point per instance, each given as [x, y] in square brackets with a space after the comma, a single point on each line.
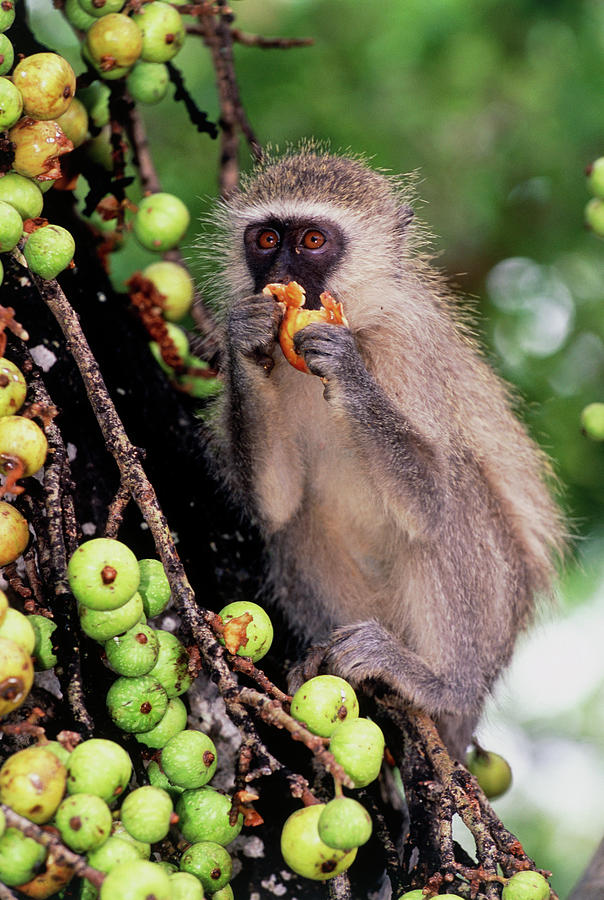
[299, 250]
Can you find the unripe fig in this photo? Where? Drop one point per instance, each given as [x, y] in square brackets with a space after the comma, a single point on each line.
[20, 857]
[162, 29]
[7, 55]
[158, 778]
[95, 98]
[47, 85]
[59, 751]
[595, 177]
[594, 216]
[12, 385]
[11, 104]
[526, 885]
[225, 893]
[84, 822]
[49, 882]
[3, 609]
[43, 652]
[146, 814]
[21, 437]
[189, 759]
[17, 627]
[203, 815]
[154, 586]
[174, 283]
[161, 221]
[143, 849]
[21, 193]
[172, 666]
[103, 624]
[74, 122]
[173, 721]
[16, 676]
[38, 146]
[304, 851]
[592, 421]
[148, 82]
[114, 851]
[248, 629]
[113, 42]
[11, 227]
[491, 771]
[358, 745]
[49, 250]
[210, 863]
[344, 824]
[136, 880]
[414, 895]
[103, 573]
[76, 16]
[324, 701]
[99, 767]
[7, 14]
[185, 886]
[133, 653]
[99, 8]
[136, 704]
[32, 782]
[181, 342]
[14, 534]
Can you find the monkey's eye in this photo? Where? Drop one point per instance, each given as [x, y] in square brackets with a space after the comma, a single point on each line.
[312, 240]
[268, 239]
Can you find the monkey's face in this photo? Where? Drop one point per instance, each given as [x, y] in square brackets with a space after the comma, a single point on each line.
[302, 250]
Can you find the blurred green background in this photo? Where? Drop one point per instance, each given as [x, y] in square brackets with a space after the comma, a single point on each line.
[497, 105]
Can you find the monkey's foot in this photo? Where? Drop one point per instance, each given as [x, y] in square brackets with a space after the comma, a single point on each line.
[307, 668]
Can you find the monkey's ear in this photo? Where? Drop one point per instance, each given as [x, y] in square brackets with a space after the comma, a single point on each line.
[405, 214]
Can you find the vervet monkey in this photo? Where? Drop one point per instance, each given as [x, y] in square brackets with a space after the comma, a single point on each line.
[405, 509]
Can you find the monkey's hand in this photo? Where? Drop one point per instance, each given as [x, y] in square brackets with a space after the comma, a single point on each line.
[329, 351]
[253, 327]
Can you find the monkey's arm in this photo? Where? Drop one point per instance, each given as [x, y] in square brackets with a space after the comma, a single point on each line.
[407, 464]
[260, 459]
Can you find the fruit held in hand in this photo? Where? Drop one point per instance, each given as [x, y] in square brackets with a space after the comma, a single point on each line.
[11, 103]
[162, 30]
[492, 772]
[38, 146]
[11, 227]
[47, 85]
[210, 863]
[49, 250]
[344, 824]
[84, 822]
[14, 533]
[103, 574]
[99, 767]
[146, 814]
[304, 851]
[32, 782]
[22, 438]
[21, 193]
[358, 745]
[136, 704]
[248, 630]
[324, 701]
[526, 885]
[189, 759]
[161, 221]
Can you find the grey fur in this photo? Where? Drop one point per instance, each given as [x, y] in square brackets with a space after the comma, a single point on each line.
[405, 509]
